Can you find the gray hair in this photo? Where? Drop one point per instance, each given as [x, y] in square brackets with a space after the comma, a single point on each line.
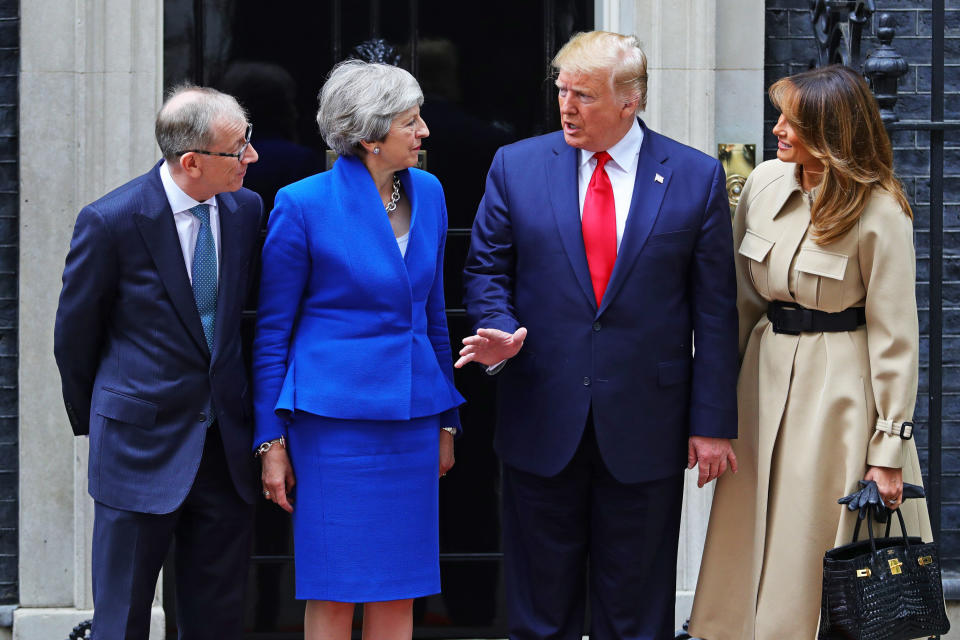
[359, 101]
[188, 116]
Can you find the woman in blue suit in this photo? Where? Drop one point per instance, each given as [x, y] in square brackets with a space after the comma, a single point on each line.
[353, 378]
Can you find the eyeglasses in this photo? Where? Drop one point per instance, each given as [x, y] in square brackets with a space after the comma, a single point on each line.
[238, 155]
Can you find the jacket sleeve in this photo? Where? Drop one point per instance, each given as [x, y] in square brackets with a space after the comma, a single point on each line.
[86, 300]
[437, 318]
[888, 270]
[713, 405]
[488, 277]
[750, 305]
[285, 266]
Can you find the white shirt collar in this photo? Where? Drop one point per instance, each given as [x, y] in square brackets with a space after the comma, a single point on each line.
[178, 199]
[624, 153]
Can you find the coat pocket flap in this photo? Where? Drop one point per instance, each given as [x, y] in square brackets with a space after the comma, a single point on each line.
[755, 246]
[125, 408]
[673, 372]
[822, 263]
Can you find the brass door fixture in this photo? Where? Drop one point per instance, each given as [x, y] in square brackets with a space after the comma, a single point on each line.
[738, 161]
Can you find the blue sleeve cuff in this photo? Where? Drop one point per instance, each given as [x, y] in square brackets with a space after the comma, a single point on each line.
[711, 422]
[268, 429]
[451, 418]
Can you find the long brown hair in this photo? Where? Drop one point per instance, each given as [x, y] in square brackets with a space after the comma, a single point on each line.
[836, 117]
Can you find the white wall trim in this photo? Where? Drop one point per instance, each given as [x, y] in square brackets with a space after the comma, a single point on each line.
[90, 86]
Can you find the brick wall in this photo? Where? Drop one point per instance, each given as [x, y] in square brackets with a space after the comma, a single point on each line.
[790, 48]
[9, 257]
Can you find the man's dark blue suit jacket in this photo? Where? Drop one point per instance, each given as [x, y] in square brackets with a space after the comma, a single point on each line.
[134, 364]
[632, 359]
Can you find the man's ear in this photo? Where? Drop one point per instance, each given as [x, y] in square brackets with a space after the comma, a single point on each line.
[629, 109]
[189, 162]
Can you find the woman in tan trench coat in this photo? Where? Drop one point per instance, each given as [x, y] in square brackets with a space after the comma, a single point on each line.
[825, 226]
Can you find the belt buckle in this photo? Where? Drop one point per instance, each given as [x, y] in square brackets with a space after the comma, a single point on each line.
[903, 427]
[780, 317]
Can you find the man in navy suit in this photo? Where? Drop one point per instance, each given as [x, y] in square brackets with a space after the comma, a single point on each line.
[147, 341]
[599, 255]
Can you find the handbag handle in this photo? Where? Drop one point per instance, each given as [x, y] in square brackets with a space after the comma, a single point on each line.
[873, 544]
[886, 533]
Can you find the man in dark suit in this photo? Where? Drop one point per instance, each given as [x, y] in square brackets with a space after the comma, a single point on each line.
[147, 341]
[598, 256]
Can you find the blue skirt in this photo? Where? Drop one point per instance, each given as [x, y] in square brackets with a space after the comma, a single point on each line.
[365, 516]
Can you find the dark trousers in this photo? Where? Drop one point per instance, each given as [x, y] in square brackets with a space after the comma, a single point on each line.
[555, 528]
[211, 530]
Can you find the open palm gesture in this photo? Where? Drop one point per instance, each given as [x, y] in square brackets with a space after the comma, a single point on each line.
[491, 346]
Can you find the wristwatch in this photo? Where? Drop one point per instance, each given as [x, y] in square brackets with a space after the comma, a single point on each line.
[451, 430]
[262, 449]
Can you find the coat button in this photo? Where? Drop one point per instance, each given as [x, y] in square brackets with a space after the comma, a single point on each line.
[586, 381]
[202, 417]
[596, 326]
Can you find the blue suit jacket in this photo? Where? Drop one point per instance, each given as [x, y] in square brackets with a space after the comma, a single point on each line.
[136, 371]
[346, 326]
[631, 359]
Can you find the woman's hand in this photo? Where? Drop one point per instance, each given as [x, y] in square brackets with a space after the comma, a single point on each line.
[446, 452]
[491, 346]
[277, 477]
[889, 482]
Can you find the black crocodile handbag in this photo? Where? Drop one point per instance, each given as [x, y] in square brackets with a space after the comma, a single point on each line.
[882, 588]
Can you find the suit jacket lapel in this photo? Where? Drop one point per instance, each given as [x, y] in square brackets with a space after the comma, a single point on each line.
[159, 232]
[563, 185]
[228, 294]
[648, 192]
[370, 229]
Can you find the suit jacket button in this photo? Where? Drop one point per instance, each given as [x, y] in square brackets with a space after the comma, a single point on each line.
[586, 381]
[202, 417]
[596, 326]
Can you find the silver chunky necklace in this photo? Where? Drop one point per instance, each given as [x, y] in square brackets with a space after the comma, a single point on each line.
[394, 197]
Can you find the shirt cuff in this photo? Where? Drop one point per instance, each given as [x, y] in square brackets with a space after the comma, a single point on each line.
[494, 369]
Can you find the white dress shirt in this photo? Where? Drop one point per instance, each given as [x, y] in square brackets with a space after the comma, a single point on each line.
[621, 169]
[188, 227]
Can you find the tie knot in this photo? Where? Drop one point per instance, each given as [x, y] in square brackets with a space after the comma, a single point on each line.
[602, 157]
[202, 213]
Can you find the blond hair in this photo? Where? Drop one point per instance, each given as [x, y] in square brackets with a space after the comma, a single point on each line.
[836, 118]
[594, 51]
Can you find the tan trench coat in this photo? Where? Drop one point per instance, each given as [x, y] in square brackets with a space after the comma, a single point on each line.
[812, 408]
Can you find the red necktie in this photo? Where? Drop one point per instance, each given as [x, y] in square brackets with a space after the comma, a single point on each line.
[600, 227]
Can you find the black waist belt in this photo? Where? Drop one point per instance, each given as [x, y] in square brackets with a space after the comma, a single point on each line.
[793, 319]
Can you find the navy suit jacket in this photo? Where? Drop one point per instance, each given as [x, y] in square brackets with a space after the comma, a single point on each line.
[136, 371]
[347, 327]
[631, 359]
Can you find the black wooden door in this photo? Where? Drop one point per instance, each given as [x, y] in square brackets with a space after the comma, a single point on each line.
[484, 69]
